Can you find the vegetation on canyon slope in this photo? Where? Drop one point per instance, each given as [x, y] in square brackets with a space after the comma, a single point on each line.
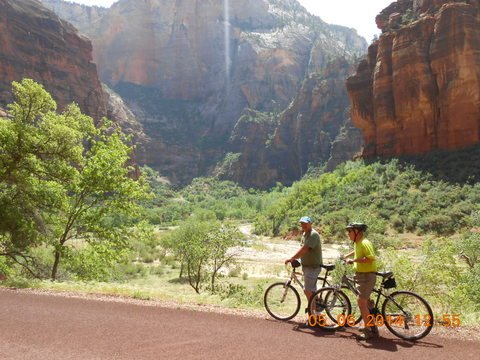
[67, 194]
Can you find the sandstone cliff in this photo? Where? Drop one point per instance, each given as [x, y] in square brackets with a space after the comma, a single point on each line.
[36, 43]
[191, 69]
[273, 148]
[419, 87]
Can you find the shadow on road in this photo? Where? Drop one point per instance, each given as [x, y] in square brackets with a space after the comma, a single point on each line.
[379, 342]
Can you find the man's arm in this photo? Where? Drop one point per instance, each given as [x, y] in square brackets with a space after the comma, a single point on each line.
[303, 250]
[360, 260]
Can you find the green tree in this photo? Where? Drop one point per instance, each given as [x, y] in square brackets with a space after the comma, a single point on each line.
[203, 247]
[60, 177]
[224, 245]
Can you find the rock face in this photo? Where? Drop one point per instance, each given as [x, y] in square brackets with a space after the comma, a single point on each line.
[190, 70]
[279, 148]
[419, 88]
[36, 43]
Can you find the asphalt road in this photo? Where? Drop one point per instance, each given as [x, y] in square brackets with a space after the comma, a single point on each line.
[42, 326]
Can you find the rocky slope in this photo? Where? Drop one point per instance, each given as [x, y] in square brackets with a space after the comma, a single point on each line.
[36, 43]
[269, 148]
[419, 88]
[191, 70]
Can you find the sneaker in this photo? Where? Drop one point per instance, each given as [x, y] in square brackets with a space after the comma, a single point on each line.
[367, 334]
[372, 329]
[306, 325]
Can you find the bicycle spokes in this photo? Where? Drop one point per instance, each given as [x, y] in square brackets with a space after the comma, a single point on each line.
[407, 315]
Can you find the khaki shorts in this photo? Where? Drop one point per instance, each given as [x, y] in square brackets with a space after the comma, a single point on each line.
[365, 283]
[310, 276]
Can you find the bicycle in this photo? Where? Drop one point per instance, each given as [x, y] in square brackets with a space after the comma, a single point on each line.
[281, 299]
[405, 314]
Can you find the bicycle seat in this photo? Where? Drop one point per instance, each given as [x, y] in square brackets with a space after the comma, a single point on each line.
[385, 274]
[328, 267]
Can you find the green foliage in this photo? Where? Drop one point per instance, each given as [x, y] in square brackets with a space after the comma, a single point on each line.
[94, 262]
[388, 197]
[241, 295]
[62, 178]
[202, 248]
[437, 274]
[207, 199]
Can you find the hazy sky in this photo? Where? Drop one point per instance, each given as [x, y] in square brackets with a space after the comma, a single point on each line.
[357, 14]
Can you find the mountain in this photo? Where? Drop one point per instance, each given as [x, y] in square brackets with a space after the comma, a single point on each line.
[419, 88]
[36, 43]
[269, 148]
[193, 71]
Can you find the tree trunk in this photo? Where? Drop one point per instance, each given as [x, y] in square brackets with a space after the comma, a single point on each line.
[55, 265]
[213, 280]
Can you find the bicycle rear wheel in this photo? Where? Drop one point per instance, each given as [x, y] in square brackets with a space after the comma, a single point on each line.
[282, 301]
[407, 315]
[327, 307]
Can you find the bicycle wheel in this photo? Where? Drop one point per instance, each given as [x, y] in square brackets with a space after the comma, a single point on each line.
[327, 307]
[407, 315]
[282, 301]
[355, 312]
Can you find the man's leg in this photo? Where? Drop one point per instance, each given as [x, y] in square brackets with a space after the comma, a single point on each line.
[365, 285]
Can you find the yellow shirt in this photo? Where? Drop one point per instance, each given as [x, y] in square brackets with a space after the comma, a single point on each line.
[364, 248]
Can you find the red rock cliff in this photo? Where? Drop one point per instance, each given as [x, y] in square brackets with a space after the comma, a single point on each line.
[197, 73]
[35, 43]
[418, 90]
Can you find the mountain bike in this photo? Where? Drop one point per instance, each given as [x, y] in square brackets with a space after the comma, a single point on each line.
[282, 300]
[405, 314]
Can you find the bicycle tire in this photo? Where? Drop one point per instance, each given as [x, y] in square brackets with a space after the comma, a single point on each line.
[282, 301]
[407, 315]
[352, 296]
[326, 305]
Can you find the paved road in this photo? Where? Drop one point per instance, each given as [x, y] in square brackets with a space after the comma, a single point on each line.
[40, 326]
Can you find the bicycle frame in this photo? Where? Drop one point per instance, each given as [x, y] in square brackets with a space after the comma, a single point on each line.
[350, 284]
[294, 278]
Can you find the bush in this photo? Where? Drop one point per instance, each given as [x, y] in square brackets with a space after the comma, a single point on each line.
[397, 223]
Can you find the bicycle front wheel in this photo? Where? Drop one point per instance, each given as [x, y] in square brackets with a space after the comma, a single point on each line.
[282, 301]
[407, 315]
[355, 312]
[329, 308]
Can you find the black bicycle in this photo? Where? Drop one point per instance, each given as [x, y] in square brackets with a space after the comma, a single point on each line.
[404, 313]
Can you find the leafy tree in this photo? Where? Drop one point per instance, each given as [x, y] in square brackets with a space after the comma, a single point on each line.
[223, 244]
[60, 177]
[203, 248]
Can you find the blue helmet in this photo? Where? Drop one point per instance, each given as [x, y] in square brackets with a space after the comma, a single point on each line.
[305, 219]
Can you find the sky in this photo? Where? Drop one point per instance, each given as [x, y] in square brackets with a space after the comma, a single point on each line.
[356, 14]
